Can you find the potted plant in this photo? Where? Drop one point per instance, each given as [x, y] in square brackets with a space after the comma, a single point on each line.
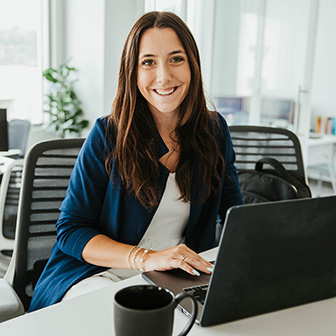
[62, 103]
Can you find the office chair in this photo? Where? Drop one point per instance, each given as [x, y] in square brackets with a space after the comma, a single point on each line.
[252, 143]
[9, 199]
[47, 169]
[18, 131]
[269, 163]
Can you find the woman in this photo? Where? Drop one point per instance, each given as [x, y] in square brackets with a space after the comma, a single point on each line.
[152, 178]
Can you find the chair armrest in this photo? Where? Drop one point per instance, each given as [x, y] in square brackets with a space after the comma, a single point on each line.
[10, 304]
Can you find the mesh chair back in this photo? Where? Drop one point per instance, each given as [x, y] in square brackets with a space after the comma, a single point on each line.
[252, 143]
[9, 201]
[46, 174]
[18, 131]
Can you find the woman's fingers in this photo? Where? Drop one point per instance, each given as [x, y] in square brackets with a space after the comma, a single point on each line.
[188, 268]
[194, 263]
[179, 257]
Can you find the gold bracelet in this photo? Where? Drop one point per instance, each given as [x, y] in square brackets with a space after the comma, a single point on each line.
[128, 256]
[133, 259]
[142, 260]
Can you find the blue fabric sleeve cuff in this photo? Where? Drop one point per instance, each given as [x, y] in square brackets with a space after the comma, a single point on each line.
[81, 241]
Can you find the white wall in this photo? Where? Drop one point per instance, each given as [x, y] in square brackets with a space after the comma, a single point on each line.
[95, 32]
[84, 42]
[226, 40]
[324, 76]
[119, 18]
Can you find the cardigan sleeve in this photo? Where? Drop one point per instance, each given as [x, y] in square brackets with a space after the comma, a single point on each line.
[231, 194]
[82, 204]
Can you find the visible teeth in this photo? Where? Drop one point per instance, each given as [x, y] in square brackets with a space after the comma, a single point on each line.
[165, 92]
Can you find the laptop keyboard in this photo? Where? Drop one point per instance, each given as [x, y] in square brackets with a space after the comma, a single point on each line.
[198, 292]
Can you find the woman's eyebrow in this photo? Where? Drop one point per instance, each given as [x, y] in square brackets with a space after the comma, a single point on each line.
[171, 53]
[147, 55]
[177, 52]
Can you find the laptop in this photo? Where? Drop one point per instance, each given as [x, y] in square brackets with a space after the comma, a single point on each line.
[271, 256]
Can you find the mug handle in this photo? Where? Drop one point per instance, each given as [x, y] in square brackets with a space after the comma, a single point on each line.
[179, 297]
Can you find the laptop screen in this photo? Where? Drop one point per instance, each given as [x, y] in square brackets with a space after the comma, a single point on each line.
[271, 256]
[3, 130]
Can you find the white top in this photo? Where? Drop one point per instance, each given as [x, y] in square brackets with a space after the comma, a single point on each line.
[165, 230]
[169, 221]
[167, 226]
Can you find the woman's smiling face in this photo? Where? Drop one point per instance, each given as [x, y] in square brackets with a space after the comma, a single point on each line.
[163, 76]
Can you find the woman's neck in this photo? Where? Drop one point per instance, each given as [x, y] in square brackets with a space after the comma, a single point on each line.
[165, 121]
[166, 125]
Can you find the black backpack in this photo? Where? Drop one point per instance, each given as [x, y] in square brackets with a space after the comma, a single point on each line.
[261, 185]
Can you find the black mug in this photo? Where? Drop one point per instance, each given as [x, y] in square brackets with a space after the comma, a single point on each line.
[148, 310]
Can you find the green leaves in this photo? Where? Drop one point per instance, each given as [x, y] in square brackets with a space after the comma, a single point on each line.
[62, 104]
[49, 75]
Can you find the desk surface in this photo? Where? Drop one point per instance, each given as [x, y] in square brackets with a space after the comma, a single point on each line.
[322, 140]
[92, 314]
[4, 163]
[10, 152]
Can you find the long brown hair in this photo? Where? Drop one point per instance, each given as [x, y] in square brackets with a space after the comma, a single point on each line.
[136, 148]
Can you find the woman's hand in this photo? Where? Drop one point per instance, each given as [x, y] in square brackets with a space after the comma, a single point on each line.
[103, 251]
[179, 256]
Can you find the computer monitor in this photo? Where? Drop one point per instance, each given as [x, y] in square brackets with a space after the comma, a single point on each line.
[3, 130]
[233, 108]
[275, 110]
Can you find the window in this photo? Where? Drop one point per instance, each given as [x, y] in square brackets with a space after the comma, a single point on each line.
[175, 6]
[251, 50]
[21, 59]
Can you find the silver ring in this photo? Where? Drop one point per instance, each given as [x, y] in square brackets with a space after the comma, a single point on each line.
[183, 257]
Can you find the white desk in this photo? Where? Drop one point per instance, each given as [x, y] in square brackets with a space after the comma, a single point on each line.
[321, 159]
[4, 163]
[10, 152]
[5, 160]
[92, 315]
[326, 141]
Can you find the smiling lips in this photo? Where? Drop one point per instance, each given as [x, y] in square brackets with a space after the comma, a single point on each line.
[165, 92]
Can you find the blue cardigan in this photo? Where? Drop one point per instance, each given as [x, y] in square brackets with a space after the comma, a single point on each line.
[94, 205]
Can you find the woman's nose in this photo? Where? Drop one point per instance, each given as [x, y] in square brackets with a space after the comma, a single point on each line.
[163, 74]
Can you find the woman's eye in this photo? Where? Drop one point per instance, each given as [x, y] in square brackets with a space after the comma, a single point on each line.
[147, 62]
[177, 59]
